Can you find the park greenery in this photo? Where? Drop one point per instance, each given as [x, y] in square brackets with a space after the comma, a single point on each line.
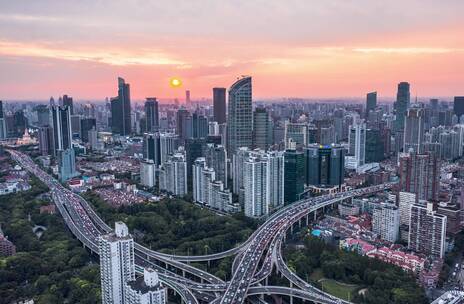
[339, 272]
[54, 268]
[175, 226]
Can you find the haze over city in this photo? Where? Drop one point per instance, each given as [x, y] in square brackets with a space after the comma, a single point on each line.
[324, 49]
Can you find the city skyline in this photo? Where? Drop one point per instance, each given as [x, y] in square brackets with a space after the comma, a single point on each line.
[292, 50]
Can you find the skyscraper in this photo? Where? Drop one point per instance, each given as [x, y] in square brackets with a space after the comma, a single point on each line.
[183, 124]
[216, 158]
[68, 102]
[43, 115]
[371, 102]
[386, 222]
[458, 105]
[219, 105]
[294, 167]
[46, 144]
[151, 114]
[325, 165]
[117, 266]
[296, 133]
[87, 124]
[199, 125]
[194, 148]
[403, 98]
[146, 289]
[427, 230]
[61, 118]
[257, 186]
[262, 129]
[173, 175]
[152, 147]
[414, 130]
[277, 175]
[3, 132]
[66, 164]
[187, 97]
[357, 141]
[121, 109]
[240, 116]
[405, 201]
[420, 174]
[147, 173]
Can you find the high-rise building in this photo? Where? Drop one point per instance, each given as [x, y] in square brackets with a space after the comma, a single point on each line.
[76, 126]
[357, 141]
[375, 148]
[168, 145]
[256, 175]
[43, 115]
[414, 130]
[66, 164]
[262, 129]
[117, 264]
[238, 163]
[219, 105]
[294, 172]
[403, 99]
[3, 131]
[199, 125]
[325, 165]
[194, 148]
[240, 116]
[173, 175]
[152, 148]
[202, 177]
[420, 174]
[187, 97]
[450, 144]
[20, 123]
[405, 202]
[121, 110]
[216, 158]
[87, 124]
[61, 118]
[147, 173]
[68, 102]
[151, 115]
[296, 133]
[371, 102]
[427, 230]
[458, 105]
[183, 124]
[277, 176]
[221, 198]
[146, 289]
[46, 144]
[386, 222]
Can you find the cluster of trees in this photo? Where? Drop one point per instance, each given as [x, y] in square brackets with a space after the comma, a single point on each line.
[52, 269]
[385, 283]
[176, 226]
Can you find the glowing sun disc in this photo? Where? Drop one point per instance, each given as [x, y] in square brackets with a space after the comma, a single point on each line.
[175, 82]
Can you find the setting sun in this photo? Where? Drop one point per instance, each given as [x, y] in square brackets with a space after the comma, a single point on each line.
[175, 82]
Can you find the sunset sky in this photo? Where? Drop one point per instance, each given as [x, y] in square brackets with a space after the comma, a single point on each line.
[292, 48]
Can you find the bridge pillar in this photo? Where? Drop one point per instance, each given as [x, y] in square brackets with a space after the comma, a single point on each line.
[183, 273]
[291, 229]
[291, 299]
[307, 219]
[315, 215]
[299, 223]
[266, 282]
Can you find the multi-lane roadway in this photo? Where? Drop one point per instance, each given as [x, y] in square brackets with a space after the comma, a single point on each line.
[254, 259]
